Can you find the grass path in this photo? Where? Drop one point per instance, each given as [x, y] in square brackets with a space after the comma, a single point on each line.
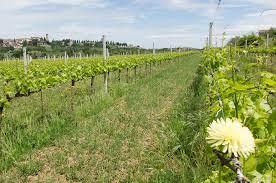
[126, 141]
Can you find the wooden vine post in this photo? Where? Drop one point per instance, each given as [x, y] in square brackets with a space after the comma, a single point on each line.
[267, 40]
[211, 35]
[92, 83]
[25, 60]
[105, 74]
[135, 73]
[73, 82]
[119, 75]
[1, 114]
[127, 77]
[65, 57]
[42, 104]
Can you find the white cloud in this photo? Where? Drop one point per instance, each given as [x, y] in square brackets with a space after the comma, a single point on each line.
[89, 19]
[95, 3]
[11, 5]
[267, 3]
[162, 36]
[248, 23]
[70, 2]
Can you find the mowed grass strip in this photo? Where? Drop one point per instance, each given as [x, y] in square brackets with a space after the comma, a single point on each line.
[126, 141]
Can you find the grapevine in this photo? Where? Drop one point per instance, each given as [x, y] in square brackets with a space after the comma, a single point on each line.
[43, 74]
[241, 86]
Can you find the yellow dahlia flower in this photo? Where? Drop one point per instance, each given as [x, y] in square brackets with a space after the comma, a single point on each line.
[230, 136]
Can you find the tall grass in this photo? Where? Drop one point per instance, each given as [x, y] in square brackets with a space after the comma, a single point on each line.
[150, 130]
[30, 124]
[188, 122]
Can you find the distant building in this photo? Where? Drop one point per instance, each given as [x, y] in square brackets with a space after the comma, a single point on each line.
[264, 32]
[18, 43]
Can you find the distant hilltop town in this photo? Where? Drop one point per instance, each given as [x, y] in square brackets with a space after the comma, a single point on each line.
[20, 42]
[42, 46]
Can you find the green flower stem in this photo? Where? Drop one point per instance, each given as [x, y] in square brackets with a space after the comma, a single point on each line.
[220, 170]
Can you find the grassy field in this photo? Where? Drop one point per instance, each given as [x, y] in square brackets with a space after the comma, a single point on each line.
[147, 130]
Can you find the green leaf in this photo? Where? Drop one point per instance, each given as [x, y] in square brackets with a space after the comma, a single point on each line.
[271, 126]
[250, 164]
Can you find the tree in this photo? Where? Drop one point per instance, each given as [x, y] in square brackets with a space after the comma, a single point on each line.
[25, 43]
[252, 40]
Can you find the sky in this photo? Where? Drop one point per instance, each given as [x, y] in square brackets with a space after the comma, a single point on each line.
[167, 23]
